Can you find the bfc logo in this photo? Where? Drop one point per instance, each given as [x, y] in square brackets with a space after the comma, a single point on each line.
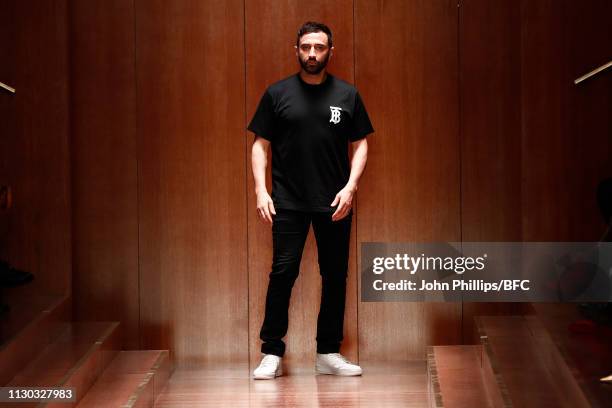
[335, 114]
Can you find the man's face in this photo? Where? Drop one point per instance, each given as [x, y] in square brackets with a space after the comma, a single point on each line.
[313, 52]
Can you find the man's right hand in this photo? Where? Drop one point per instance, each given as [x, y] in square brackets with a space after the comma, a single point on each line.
[265, 207]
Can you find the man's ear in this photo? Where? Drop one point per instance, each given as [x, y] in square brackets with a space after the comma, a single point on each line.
[296, 51]
[331, 51]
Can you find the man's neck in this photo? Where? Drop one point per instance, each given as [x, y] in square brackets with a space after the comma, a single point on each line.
[313, 79]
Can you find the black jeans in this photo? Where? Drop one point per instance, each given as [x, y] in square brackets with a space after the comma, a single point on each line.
[289, 232]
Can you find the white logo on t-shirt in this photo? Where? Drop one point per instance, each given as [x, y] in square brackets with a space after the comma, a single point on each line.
[335, 114]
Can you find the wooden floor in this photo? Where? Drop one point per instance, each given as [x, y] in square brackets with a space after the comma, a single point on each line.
[402, 384]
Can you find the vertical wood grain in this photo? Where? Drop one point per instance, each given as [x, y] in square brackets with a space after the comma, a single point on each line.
[490, 88]
[104, 164]
[35, 234]
[566, 127]
[491, 120]
[190, 115]
[588, 39]
[546, 138]
[406, 69]
[8, 109]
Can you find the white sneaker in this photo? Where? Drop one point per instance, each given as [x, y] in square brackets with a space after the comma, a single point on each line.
[336, 364]
[269, 368]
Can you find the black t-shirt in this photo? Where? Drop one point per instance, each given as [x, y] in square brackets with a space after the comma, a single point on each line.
[309, 127]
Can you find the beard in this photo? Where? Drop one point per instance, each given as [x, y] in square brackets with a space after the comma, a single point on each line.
[314, 69]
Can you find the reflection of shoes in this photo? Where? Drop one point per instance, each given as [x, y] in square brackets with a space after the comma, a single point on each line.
[11, 277]
[269, 368]
[336, 364]
[607, 379]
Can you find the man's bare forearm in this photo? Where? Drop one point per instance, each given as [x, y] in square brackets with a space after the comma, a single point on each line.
[358, 163]
[259, 161]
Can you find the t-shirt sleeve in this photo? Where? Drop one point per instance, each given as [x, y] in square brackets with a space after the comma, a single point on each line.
[361, 121]
[262, 123]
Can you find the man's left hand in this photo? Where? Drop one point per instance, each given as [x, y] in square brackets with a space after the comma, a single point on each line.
[343, 200]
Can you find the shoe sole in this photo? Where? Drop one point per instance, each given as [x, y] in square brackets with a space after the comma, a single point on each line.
[326, 371]
[268, 377]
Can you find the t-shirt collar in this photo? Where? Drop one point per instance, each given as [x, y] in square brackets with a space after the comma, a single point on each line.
[325, 82]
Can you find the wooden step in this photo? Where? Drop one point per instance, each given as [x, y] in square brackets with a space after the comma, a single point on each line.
[588, 354]
[461, 377]
[76, 358]
[523, 355]
[32, 323]
[133, 379]
[23, 311]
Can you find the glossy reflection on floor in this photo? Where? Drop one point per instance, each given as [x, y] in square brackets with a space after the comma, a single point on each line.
[397, 384]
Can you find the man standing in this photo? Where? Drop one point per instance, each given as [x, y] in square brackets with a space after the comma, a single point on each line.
[309, 119]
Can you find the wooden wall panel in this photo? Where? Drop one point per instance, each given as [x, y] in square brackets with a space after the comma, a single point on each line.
[192, 169]
[406, 69]
[271, 29]
[34, 151]
[480, 135]
[8, 109]
[104, 163]
[490, 88]
[566, 127]
[546, 139]
[588, 38]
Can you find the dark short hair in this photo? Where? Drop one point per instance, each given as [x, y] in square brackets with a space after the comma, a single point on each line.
[314, 27]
